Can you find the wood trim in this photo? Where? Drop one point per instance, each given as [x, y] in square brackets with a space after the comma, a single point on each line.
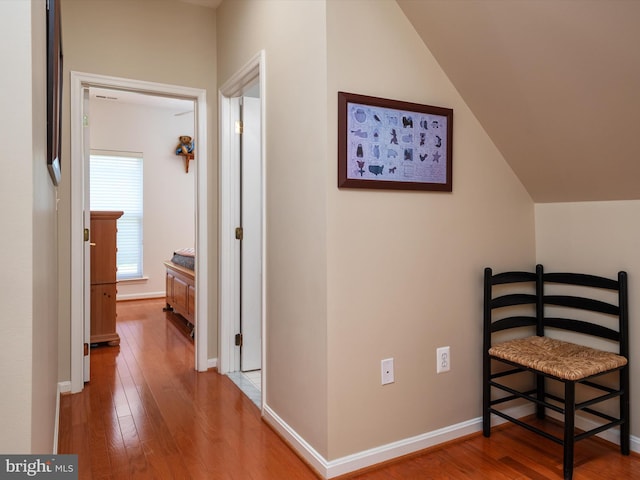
[110, 215]
[190, 274]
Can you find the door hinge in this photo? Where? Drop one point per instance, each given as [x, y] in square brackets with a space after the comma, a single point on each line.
[239, 233]
[86, 349]
[239, 127]
[238, 339]
[86, 234]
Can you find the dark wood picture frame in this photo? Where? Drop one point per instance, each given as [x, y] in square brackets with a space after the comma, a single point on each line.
[54, 90]
[390, 144]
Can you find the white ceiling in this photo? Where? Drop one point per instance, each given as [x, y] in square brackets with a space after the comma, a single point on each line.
[553, 82]
[173, 105]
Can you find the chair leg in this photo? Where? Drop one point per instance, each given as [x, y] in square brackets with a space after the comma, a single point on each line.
[569, 424]
[625, 428]
[541, 394]
[486, 398]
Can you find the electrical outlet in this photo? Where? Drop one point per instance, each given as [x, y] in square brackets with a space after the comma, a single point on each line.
[443, 359]
[387, 371]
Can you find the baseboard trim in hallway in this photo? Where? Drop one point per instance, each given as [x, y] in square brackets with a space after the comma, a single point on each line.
[367, 458]
[384, 453]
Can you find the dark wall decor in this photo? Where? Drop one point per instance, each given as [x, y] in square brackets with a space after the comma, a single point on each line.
[389, 144]
[54, 90]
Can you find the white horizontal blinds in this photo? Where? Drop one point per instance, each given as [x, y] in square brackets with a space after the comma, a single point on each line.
[116, 184]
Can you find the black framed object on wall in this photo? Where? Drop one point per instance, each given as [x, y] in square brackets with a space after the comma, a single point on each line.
[54, 90]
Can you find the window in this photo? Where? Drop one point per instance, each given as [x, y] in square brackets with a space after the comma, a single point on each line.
[116, 184]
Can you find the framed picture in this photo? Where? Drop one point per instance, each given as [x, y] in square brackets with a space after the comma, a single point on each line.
[54, 90]
[389, 144]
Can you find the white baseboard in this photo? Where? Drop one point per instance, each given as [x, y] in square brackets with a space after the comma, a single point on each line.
[299, 444]
[367, 458]
[63, 387]
[612, 435]
[212, 363]
[400, 448]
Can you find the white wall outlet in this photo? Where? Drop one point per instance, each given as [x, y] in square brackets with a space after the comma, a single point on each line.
[443, 360]
[387, 371]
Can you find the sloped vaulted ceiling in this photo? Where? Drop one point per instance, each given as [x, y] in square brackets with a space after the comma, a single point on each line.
[555, 83]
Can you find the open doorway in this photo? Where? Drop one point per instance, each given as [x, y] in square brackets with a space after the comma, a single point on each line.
[135, 168]
[80, 84]
[247, 365]
[242, 227]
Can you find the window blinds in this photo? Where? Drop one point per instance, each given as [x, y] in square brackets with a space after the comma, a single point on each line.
[116, 184]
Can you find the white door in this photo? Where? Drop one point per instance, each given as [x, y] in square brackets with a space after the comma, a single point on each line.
[251, 248]
[87, 246]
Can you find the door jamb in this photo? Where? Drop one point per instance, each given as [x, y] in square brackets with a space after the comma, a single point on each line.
[76, 168]
[229, 178]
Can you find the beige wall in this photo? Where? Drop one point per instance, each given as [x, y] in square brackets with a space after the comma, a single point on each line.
[45, 262]
[168, 192]
[405, 268]
[28, 349]
[17, 191]
[358, 276]
[292, 33]
[600, 238]
[164, 41]
[335, 304]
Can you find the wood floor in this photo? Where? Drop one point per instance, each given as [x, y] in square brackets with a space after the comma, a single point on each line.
[146, 414]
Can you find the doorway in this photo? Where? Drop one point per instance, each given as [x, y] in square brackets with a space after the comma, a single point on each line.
[80, 83]
[242, 225]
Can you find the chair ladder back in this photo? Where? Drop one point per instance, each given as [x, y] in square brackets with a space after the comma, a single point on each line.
[623, 305]
[539, 300]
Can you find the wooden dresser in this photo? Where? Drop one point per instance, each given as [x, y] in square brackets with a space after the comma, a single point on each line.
[103, 277]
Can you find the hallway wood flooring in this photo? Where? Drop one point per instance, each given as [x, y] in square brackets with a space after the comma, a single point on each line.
[146, 414]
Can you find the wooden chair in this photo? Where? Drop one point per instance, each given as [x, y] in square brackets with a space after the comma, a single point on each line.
[517, 303]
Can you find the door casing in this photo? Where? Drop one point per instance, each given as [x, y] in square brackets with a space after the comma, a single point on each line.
[86, 218]
[228, 358]
[79, 81]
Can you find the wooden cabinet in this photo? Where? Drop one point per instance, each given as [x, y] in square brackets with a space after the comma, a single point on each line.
[103, 232]
[181, 291]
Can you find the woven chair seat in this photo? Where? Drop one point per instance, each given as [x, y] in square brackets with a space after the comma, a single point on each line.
[563, 360]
